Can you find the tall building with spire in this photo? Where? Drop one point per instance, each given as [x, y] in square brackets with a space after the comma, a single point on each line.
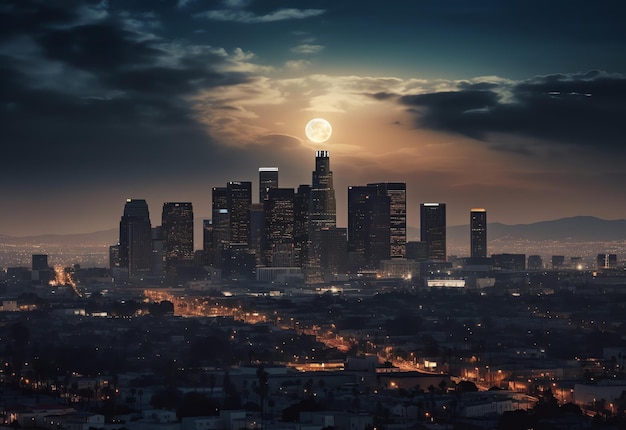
[433, 229]
[135, 245]
[478, 233]
[322, 213]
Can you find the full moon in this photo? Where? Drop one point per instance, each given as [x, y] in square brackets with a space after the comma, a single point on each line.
[318, 130]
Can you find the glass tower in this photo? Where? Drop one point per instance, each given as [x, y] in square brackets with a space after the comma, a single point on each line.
[433, 229]
[135, 252]
[322, 213]
[177, 229]
[478, 233]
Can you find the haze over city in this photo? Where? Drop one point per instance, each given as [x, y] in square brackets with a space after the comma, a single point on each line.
[516, 107]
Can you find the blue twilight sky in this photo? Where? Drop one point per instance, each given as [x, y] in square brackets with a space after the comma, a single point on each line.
[515, 106]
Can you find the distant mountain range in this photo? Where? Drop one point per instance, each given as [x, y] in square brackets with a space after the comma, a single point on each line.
[573, 229]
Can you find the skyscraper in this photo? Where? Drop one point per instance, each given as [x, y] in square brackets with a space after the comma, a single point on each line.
[396, 191]
[302, 200]
[369, 228]
[239, 199]
[322, 212]
[334, 252]
[268, 179]
[135, 250]
[220, 225]
[279, 224]
[177, 230]
[478, 233]
[257, 231]
[433, 229]
[207, 241]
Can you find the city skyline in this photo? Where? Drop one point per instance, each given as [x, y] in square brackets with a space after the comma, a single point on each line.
[515, 108]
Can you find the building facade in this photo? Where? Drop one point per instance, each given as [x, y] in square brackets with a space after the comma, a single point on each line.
[433, 229]
[478, 233]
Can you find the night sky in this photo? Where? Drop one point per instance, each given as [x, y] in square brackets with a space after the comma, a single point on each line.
[515, 106]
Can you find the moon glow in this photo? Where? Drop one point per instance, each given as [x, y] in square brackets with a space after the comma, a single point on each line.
[318, 130]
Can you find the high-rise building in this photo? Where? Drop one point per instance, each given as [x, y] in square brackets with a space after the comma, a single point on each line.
[322, 213]
[177, 228]
[268, 179]
[257, 231]
[158, 252]
[368, 226]
[478, 233]
[279, 224]
[396, 191]
[135, 243]
[40, 271]
[220, 225]
[239, 198]
[231, 229]
[433, 229]
[301, 202]
[323, 208]
[333, 252]
[207, 241]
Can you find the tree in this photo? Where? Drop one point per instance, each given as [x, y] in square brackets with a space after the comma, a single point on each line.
[197, 404]
[515, 420]
[466, 387]
[262, 388]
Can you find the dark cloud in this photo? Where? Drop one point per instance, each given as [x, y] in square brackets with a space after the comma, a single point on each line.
[79, 88]
[382, 96]
[581, 109]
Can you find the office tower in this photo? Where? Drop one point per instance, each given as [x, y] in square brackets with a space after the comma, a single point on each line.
[368, 227]
[433, 229]
[396, 191]
[333, 252]
[257, 231]
[322, 213]
[136, 238]
[158, 251]
[40, 271]
[478, 233]
[207, 242]
[279, 223]
[268, 179]
[239, 198]
[177, 230]
[220, 222]
[301, 202]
